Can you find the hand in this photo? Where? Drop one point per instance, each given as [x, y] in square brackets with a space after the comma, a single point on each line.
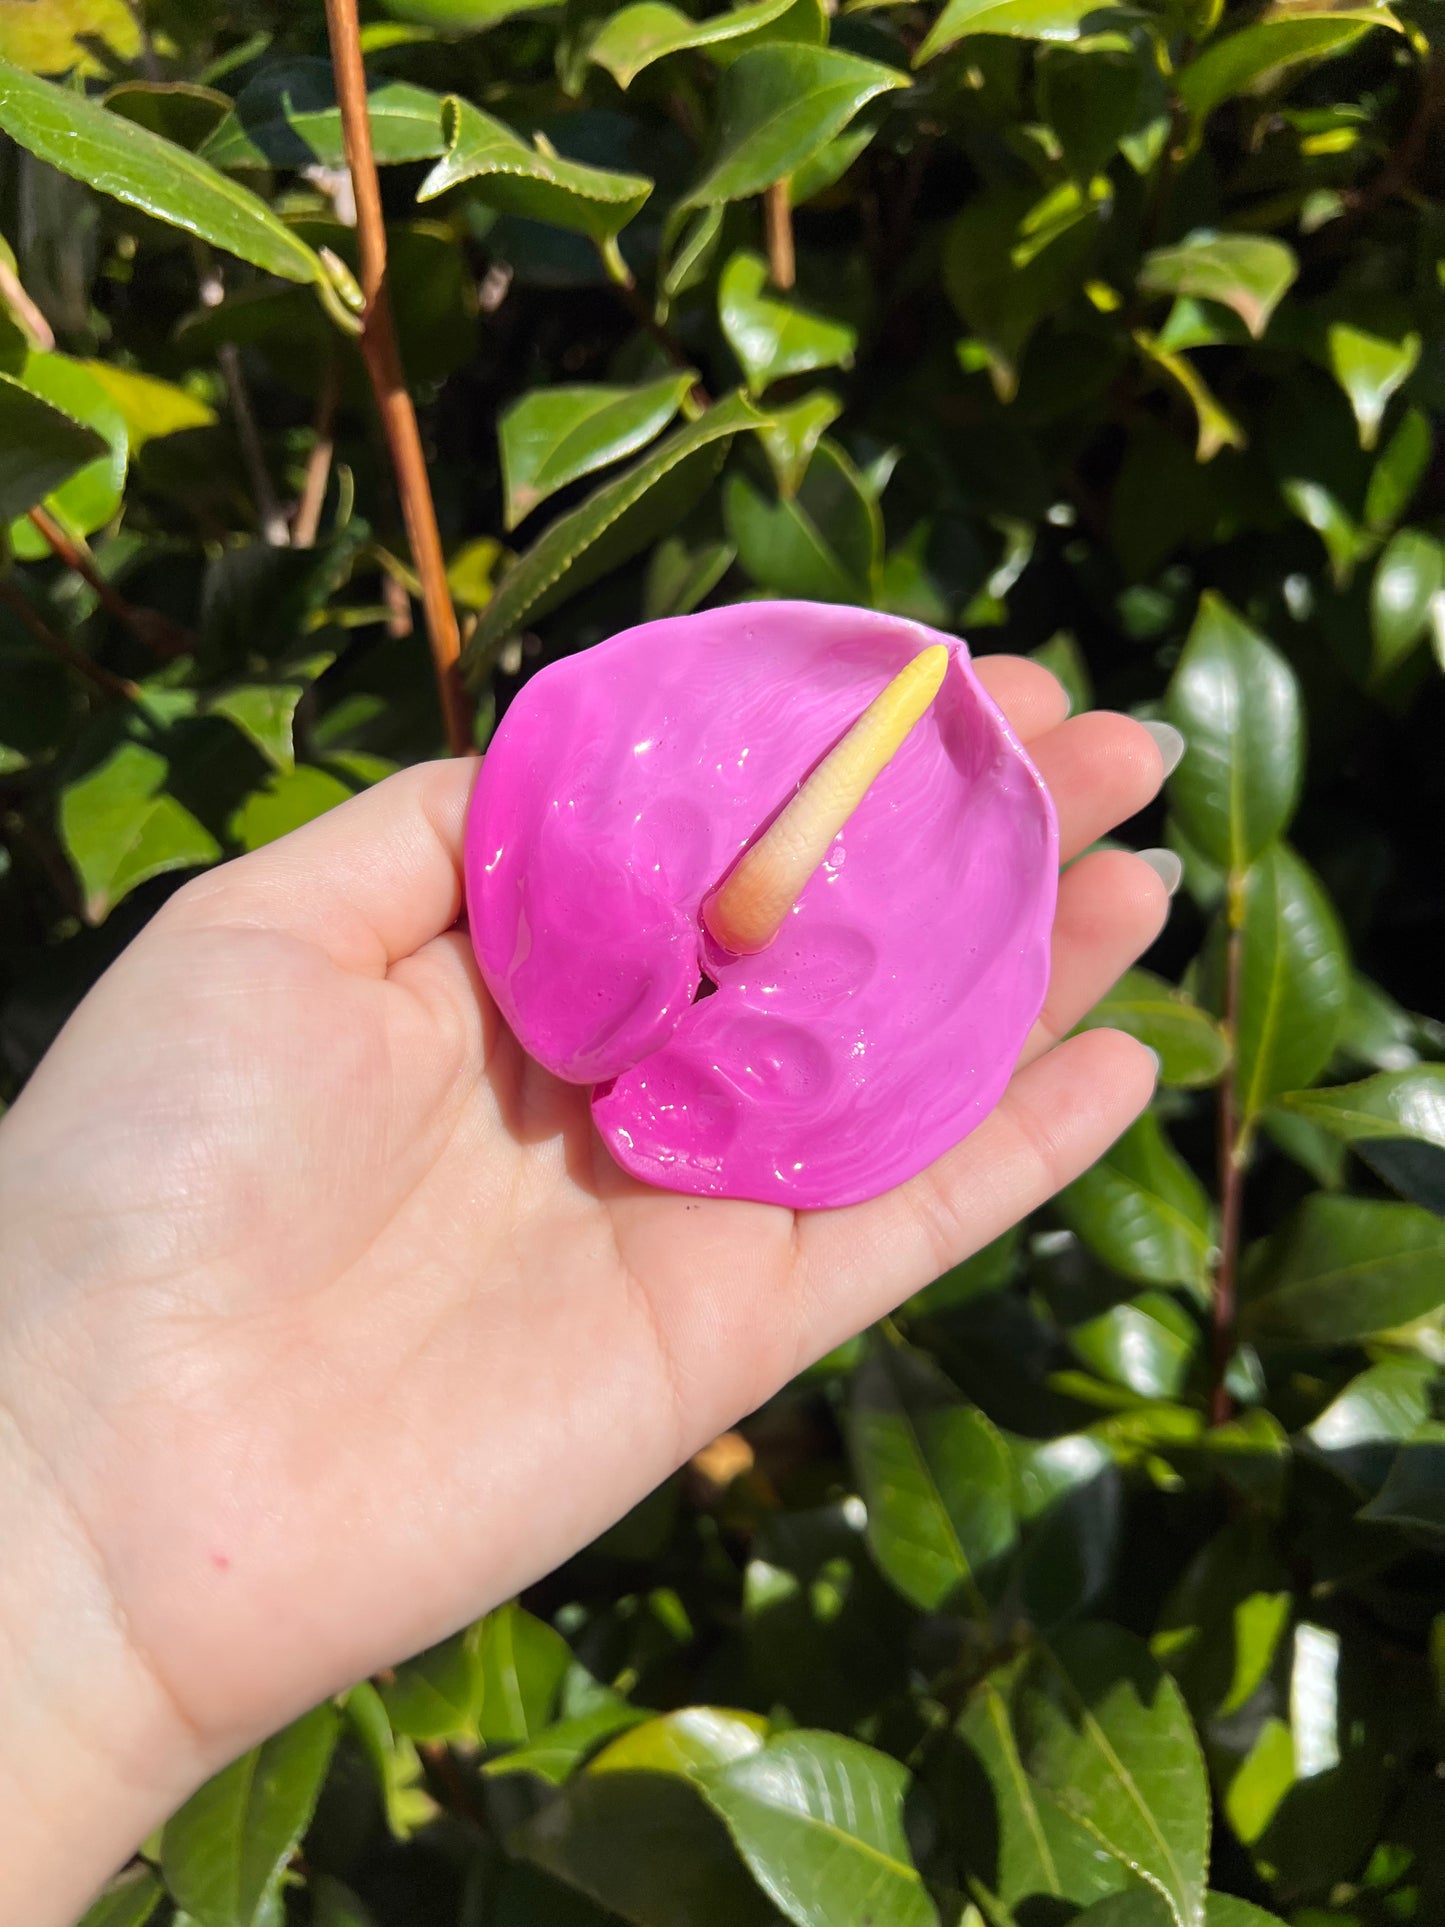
[328, 1323]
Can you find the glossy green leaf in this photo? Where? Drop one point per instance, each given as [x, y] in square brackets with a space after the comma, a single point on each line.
[1141, 1907]
[393, 1760]
[462, 16]
[41, 447]
[682, 575]
[1264, 52]
[636, 36]
[1020, 20]
[612, 525]
[531, 180]
[88, 499]
[793, 438]
[1104, 1730]
[1370, 368]
[1408, 578]
[1017, 1841]
[1222, 1624]
[934, 1476]
[224, 1853]
[1237, 702]
[555, 1753]
[1414, 1491]
[1216, 427]
[1142, 1210]
[59, 36]
[1389, 1404]
[1249, 273]
[177, 110]
[777, 105]
[1145, 1346]
[694, 1740]
[138, 167]
[1344, 543]
[1191, 1048]
[287, 116]
[819, 1820]
[128, 1901]
[149, 407]
[119, 828]
[552, 436]
[438, 1694]
[823, 544]
[521, 1661]
[1392, 1104]
[265, 714]
[772, 337]
[1398, 472]
[287, 800]
[1342, 1268]
[1293, 981]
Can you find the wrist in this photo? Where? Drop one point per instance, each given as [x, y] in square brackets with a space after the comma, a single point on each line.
[93, 1753]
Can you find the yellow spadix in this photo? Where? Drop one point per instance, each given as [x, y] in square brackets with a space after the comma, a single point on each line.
[748, 910]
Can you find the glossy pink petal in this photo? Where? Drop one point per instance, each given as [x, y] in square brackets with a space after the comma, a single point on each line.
[883, 1023]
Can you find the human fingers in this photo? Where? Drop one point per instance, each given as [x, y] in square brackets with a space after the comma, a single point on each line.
[1100, 769]
[1111, 908]
[1031, 697]
[1056, 1118]
[368, 882]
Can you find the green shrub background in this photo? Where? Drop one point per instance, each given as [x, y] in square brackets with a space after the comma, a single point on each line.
[1116, 339]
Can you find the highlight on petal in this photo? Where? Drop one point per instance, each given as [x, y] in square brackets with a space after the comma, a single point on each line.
[882, 1023]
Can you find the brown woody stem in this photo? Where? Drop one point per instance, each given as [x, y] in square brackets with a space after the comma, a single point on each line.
[318, 462]
[158, 633]
[1233, 1159]
[383, 364]
[274, 529]
[23, 308]
[95, 673]
[778, 220]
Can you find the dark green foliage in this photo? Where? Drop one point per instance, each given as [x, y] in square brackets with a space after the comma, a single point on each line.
[1116, 340]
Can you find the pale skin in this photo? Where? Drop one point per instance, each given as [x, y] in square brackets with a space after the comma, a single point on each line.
[326, 1322]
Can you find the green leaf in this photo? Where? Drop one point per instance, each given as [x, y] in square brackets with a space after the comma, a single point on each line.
[1142, 1210]
[555, 1753]
[1104, 1731]
[1409, 578]
[623, 517]
[1414, 1490]
[92, 496]
[636, 36]
[811, 545]
[1063, 658]
[1267, 50]
[792, 440]
[1294, 981]
[1146, 1346]
[1237, 702]
[128, 1901]
[1020, 20]
[935, 1477]
[1191, 1048]
[41, 447]
[532, 181]
[1398, 472]
[64, 35]
[149, 407]
[522, 1661]
[119, 828]
[1141, 1907]
[680, 575]
[693, 1741]
[438, 1694]
[1345, 544]
[393, 1761]
[773, 338]
[462, 16]
[1370, 367]
[777, 105]
[1393, 1104]
[819, 1820]
[1222, 1624]
[551, 436]
[224, 1853]
[287, 116]
[177, 110]
[119, 158]
[1246, 272]
[1026, 1847]
[265, 714]
[1216, 427]
[1342, 1268]
[288, 799]
[1390, 1404]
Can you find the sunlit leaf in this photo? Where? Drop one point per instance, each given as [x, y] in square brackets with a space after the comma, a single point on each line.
[1293, 980]
[1370, 367]
[41, 447]
[1285, 39]
[1191, 1048]
[288, 799]
[693, 1740]
[1409, 576]
[531, 180]
[636, 36]
[120, 828]
[772, 337]
[521, 1661]
[1246, 272]
[128, 1901]
[552, 436]
[287, 116]
[1020, 20]
[1342, 1268]
[1393, 1104]
[1142, 1210]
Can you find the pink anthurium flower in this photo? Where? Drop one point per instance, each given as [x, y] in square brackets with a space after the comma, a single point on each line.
[883, 1020]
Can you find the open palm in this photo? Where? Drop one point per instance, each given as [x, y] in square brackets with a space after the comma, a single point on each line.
[332, 1321]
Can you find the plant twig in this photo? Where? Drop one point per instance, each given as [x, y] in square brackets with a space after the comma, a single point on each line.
[109, 684]
[318, 462]
[383, 364]
[1233, 1158]
[274, 528]
[158, 633]
[23, 308]
[778, 220]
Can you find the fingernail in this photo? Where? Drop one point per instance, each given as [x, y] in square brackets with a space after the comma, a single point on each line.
[1170, 744]
[1166, 866]
[1158, 1062]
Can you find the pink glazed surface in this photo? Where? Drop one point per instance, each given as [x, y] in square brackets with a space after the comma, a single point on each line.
[883, 1023]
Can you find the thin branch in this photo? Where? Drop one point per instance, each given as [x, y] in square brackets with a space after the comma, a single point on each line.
[383, 364]
[119, 687]
[24, 309]
[1233, 1158]
[158, 633]
[778, 220]
[274, 528]
[318, 462]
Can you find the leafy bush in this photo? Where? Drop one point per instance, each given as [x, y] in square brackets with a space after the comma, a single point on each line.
[1116, 337]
